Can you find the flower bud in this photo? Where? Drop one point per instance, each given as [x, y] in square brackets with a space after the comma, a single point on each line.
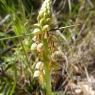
[36, 73]
[39, 65]
[36, 31]
[34, 38]
[40, 16]
[40, 47]
[42, 21]
[34, 46]
[46, 28]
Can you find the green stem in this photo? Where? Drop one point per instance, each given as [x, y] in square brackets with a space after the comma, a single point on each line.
[47, 70]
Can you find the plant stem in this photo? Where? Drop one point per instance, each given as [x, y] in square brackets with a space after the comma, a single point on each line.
[47, 70]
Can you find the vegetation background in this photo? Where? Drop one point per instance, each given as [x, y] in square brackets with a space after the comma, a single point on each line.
[67, 48]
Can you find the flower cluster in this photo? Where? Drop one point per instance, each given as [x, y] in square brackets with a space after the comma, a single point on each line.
[42, 31]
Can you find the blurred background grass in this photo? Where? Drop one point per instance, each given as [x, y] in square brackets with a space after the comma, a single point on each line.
[16, 22]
